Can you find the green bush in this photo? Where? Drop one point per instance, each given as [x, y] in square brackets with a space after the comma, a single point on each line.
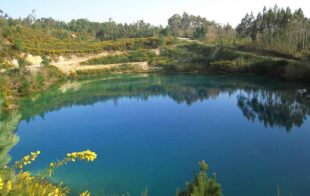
[202, 185]
[18, 45]
[133, 56]
[297, 71]
[268, 67]
[224, 66]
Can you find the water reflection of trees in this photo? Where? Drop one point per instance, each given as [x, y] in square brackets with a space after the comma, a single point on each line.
[275, 108]
[274, 104]
[284, 107]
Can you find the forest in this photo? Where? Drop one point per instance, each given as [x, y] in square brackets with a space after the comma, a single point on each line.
[278, 29]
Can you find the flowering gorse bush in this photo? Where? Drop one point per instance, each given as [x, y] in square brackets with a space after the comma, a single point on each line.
[25, 184]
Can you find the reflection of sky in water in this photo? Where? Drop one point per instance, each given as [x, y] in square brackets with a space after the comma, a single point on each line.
[157, 143]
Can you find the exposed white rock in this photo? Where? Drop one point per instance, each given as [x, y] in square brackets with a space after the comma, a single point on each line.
[34, 60]
[15, 63]
[61, 59]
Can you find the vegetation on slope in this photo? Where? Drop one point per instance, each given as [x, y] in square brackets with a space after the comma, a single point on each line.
[131, 56]
[226, 60]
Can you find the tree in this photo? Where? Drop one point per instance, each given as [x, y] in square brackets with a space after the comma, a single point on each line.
[243, 29]
[202, 185]
[168, 31]
[254, 32]
[175, 24]
[18, 45]
[277, 29]
[7, 137]
[40, 80]
[161, 40]
[25, 85]
[65, 35]
[1, 40]
[19, 30]
[7, 32]
[21, 64]
[45, 61]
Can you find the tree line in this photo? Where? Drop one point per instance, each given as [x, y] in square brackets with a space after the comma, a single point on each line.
[277, 28]
[199, 27]
[94, 31]
[185, 25]
[274, 28]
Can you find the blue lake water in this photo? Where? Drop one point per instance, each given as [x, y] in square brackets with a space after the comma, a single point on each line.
[151, 130]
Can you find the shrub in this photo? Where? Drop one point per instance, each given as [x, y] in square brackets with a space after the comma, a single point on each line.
[45, 61]
[202, 185]
[224, 66]
[269, 67]
[133, 56]
[40, 80]
[18, 45]
[25, 184]
[161, 40]
[297, 71]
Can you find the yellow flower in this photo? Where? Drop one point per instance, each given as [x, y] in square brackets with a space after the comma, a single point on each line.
[54, 193]
[52, 164]
[1, 183]
[86, 193]
[74, 154]
[20, 167]
[5, 167]
[8, 185]
[24, 176]
[38, 152]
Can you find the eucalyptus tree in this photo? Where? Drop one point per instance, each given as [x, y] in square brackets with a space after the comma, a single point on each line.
[277, 28]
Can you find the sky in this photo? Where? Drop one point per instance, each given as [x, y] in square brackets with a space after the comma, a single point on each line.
[155, 12]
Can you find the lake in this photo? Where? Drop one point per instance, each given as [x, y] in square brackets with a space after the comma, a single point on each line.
[151, 130]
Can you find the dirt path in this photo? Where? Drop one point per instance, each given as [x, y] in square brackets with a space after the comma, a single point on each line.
[67, 67]
[73, 64]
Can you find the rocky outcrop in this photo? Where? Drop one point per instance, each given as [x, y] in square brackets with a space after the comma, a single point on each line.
[34, 60]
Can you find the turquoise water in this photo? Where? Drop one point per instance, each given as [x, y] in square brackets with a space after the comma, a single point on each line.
[151, 130]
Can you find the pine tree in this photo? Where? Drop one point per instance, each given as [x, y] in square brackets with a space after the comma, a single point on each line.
[25, 85]
[202, 185]
[45, 61]
[40, 80]
[19, 30]
[18, 44]
[161, 40]
[7, 137]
